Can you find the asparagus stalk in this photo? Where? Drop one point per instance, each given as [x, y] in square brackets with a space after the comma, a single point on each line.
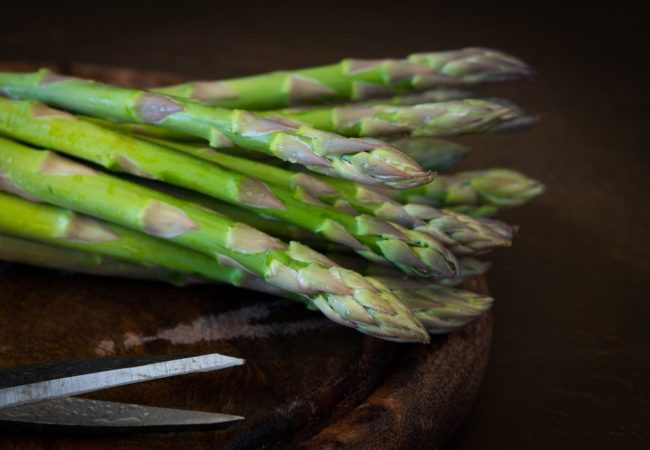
[417, 98]
[497, 187]
[37, 124]
[469, 267]
[520, 122]
[472, 267]
[432, 153]
[429, 152]
[482, 211]
[342, 295]
[139, 129]
[474, 65]
[439, 309]
[268, 225]
[461, 234]
[161, 134]
[305, 185]
[39, 254]
[356, 80]
[106, 243]
[448, 118]
[366, 162]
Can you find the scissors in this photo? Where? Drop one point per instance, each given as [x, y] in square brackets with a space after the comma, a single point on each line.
[41, 397]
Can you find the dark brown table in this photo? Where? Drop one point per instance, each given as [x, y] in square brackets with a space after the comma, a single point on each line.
[570, 366]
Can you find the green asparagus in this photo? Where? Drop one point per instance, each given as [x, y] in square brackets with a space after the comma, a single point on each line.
[37, 124]
[469, 267]
[355, 79]
[239, 211]
[482, 211]
[432, 153]
[304, 185]
[416, 98]
[429, 152]
[463, 235]
[441, 309]
[363, 161]
[112, 243]
[341, 294]
[474, 65]
[39, 254]
[493, 187]
[448, 118]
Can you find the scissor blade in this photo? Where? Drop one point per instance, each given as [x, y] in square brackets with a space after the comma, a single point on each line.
[30, 384]
[72, 414]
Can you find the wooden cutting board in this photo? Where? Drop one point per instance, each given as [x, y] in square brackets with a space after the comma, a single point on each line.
[307, 382]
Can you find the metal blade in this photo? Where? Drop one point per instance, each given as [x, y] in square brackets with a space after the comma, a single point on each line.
[30, 384]
[84, 415]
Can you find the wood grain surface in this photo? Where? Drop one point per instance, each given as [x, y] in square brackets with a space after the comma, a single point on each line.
[307, 382]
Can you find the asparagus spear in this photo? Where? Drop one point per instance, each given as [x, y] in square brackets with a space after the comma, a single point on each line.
[139, 129]
[493, 187]
[469, 267]
[109, 244]
[432, 153]
[37, 124]
[482, 211]
[520, 122]
[39, 254]
[461, 234]
[303, 184]
[440, 308]
[474, 64]
[429, 152]
[153, 132]
[366, 162]
[342, 295]
[430, 119]
[417, 98]
[356, 80]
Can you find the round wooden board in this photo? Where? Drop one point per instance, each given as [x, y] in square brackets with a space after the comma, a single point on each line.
[307, 383]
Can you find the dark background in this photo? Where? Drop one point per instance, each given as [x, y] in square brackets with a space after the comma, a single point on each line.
[570, 366]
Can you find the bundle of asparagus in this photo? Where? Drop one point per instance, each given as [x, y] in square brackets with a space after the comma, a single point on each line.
[267, 199]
